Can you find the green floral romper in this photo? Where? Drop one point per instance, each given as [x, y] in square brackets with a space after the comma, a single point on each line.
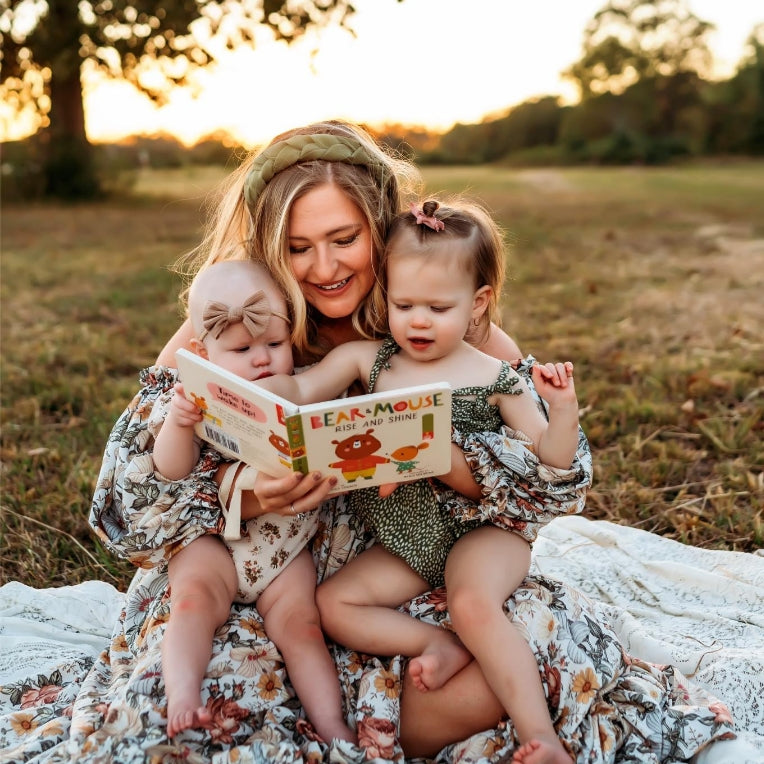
[411, 523]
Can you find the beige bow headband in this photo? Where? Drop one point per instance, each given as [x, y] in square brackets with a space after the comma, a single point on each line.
[255, 314]
[309, 148]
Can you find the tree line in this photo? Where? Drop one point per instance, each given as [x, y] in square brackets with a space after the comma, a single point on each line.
[646, 95]
[644, 79]
[656, 120]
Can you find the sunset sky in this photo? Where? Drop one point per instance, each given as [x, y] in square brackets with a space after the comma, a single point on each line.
[420, 62]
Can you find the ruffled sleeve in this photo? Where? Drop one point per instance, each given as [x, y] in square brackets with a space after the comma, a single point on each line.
[518, 491]
[136, 513]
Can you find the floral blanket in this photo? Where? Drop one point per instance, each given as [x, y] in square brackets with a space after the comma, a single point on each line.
[79, 666]
[79, 684]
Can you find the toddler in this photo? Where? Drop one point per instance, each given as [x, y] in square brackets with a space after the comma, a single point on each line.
[442, 272]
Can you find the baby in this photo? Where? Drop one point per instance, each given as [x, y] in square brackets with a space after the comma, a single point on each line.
[241, 323]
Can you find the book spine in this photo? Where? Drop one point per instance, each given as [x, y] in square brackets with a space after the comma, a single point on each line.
[296, 440]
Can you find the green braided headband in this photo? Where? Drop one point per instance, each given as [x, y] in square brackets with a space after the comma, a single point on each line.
[308, 148]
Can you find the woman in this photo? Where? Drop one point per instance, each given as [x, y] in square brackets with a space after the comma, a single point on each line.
[314, 207]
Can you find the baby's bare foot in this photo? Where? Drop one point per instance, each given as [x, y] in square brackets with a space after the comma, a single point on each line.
[541, 752]
[437, 664]
[182, 717]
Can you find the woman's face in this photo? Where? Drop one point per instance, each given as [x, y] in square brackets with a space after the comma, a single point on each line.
[331, 251]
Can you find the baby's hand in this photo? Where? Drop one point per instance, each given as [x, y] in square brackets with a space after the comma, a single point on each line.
[183, 413]
[554, 381]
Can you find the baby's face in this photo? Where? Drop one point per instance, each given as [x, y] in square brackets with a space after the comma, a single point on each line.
[253, 357]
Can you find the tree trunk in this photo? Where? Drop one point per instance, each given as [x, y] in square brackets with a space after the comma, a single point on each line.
[69, 162]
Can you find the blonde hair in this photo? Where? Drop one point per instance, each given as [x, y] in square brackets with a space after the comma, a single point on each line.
[482, 253]
[250, 220]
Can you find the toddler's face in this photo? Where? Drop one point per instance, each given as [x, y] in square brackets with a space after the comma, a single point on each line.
[430, 305]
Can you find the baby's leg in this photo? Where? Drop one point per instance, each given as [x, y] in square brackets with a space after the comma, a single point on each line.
[482, 570]
[202, 588]
[288, 607]
[357, 606]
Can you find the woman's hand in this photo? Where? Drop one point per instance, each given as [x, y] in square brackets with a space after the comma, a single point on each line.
[290, 495]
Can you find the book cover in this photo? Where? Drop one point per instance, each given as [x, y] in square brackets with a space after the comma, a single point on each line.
[364, 440]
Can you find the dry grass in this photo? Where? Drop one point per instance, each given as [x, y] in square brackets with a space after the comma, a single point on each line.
[650, 280]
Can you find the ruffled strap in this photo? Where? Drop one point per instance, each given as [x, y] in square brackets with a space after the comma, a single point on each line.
[387, 350]
[505, 383]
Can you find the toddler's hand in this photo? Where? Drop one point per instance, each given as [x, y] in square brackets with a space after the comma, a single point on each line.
[554, 381]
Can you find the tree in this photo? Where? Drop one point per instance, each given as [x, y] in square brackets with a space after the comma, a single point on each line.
[641, 80]
[630, 40]
[46, 46]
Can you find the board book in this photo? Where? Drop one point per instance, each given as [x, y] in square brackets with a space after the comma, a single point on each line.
[364, 440]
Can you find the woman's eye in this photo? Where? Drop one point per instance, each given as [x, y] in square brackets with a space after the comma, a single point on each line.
[297, 250]
[347, 241]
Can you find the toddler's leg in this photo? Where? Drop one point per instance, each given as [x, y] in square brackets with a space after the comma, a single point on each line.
[288, 607]
[202, 588]
[483, 569]
[357, 606]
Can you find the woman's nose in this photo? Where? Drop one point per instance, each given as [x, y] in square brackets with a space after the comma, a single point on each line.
[324, 264]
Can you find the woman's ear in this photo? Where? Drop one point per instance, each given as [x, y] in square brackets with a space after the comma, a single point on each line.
[481, 301]
[199, 348]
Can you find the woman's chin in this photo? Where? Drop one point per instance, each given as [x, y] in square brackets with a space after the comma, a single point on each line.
[335, 308]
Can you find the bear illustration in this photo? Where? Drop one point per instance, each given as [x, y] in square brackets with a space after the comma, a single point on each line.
[358, 457]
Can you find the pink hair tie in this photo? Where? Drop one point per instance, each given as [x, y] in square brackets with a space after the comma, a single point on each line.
[429, 220]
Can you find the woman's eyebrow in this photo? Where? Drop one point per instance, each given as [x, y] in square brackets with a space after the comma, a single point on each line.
[333, 232]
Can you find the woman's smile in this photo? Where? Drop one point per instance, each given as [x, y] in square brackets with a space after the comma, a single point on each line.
[333, 287]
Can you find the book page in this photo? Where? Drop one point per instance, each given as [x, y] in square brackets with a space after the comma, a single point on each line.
[380, 438]
[241, 420]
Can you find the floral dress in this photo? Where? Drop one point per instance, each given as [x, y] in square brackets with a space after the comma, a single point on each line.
[606, 705]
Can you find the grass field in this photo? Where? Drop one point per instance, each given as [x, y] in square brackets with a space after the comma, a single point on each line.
[650, 280]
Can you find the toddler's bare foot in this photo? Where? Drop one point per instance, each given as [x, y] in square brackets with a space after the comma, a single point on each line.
[722, 712]
[542, 752]
[437, 664]
[183, 716]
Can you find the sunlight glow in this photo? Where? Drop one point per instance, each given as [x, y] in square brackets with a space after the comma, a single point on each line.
[417, 63]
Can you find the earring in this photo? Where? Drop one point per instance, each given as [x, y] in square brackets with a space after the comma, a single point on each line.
[476, 322]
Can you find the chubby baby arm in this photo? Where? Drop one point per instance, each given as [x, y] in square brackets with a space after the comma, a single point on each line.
[176, 450]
